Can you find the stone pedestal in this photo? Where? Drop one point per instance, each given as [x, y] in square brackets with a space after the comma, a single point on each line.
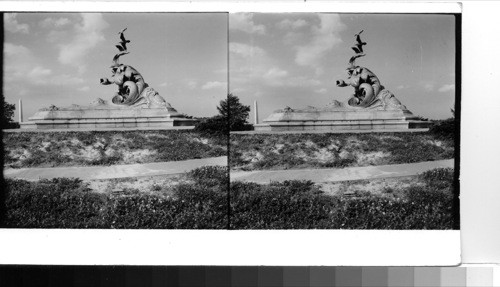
[106, 116]
[338, 116]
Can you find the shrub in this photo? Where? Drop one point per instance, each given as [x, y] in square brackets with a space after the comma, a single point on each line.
[216, 125]
[68, 203]
[301, 205]
[56, 203]
[210, 176]
[202, 202]
[6, 121]
[444, 129]
[286, 205]
[439, 178]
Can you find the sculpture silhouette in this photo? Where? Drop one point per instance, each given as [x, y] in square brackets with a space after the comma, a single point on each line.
[132, 89]
[122, 46]
[358, 47]
[366, 84]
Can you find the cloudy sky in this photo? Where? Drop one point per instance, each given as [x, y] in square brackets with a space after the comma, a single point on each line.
[58, 58]
[293, 59]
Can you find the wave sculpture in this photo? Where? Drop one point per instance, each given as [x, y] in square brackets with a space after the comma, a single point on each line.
[132, 89]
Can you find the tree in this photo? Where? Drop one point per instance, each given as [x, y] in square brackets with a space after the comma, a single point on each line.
[7, 114]
[232, 117]
[235, 112]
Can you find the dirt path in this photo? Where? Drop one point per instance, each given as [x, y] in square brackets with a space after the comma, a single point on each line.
[335, 175]
[116, 171]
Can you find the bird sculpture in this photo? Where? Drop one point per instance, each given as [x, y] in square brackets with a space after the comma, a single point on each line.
[358, 47]
[122, 46]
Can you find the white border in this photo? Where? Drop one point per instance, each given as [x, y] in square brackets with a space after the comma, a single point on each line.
[183, 247]
[231, 7]
[170, 247]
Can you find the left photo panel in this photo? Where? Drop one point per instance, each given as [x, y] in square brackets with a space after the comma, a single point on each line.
[114, 120]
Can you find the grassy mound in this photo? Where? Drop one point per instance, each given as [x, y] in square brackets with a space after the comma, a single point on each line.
[107, 147]
[286, 151]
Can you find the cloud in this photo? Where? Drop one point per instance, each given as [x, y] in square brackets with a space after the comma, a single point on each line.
[39, 73]
[22, 66]
[192, 84]
[289, 24]
[63, 80]
[213, 85]
[84, 89]
[429, 87]
[41, 76]
[293, 38]
[325, 36]
[237, 90]
[18, 61]
[87, 35]
[251, 65]
[244, 22]
[275, 73]
[447, 88]
[303, 81]
[248, 62]
[54, 23]
[282, 80]
[13, 26]
[246, 51]
[321, 91]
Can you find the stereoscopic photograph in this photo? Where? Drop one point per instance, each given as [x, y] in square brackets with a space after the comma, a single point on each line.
[113, 120]
[345, 121]
[231, 121]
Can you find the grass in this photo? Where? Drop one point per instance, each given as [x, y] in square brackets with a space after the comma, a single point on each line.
[107, 147]
[303, 205]
[199, 203]
[286, 151]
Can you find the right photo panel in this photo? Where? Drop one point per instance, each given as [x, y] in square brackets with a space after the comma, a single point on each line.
[344, 121]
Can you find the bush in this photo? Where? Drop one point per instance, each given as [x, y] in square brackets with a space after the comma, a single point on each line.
[232, 117]
[202, 203]
[68, 203]
[444, 129]
[439, 178]
[286, 205]
[56, 203]
[216, 125]
[301, 205]
[6, 121]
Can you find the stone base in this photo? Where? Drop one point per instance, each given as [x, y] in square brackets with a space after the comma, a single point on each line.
[106, 117]
[340, 119]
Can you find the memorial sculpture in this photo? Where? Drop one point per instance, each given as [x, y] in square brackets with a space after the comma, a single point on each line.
[132, 89]
[371, 106]
[135, 104]
[368, 91]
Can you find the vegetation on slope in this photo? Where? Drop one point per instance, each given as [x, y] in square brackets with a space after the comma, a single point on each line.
[286, 151]
[50, 149]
